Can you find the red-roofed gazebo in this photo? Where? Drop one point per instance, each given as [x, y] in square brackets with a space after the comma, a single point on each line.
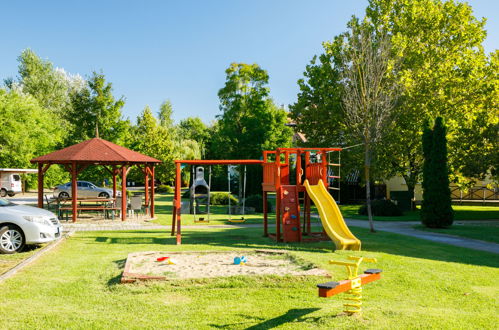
[114, 158]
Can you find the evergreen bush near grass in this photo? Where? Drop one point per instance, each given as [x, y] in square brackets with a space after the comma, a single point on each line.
[222, 198]
[165, 189]
[384, 207]
[436, 209]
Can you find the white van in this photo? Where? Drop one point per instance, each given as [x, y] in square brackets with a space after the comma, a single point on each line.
[10, 180]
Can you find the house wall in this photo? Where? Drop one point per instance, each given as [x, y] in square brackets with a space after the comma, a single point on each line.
[397, 183]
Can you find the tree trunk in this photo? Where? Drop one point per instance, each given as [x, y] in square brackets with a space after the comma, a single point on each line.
[411, 188]
[367, 169]
[410, 181]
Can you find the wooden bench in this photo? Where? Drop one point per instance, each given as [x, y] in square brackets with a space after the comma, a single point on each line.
[67, 209]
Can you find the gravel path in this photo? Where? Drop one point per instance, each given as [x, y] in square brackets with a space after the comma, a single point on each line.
[405, 228]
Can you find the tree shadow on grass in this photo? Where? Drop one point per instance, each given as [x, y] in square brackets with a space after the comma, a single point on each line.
[240, 238]
[251, 238]
[120, 264]
[292, 315]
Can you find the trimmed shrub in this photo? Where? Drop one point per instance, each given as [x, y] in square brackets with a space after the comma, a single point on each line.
[222, 198]
[165, 189]
[382, 207]
[256, 201]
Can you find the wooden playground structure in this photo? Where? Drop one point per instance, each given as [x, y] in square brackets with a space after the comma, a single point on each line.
[284, 173]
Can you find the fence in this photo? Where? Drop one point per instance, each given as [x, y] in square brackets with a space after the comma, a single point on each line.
[475, 195]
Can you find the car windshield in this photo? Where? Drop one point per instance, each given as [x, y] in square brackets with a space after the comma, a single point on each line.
[4, 202]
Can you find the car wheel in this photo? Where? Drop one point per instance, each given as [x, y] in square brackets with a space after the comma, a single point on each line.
[11, 239]
[12, 194]
[104, 195]
[3, 192]
[63, 195]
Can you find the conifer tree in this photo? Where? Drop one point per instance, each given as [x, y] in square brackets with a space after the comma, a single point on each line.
[436, 209]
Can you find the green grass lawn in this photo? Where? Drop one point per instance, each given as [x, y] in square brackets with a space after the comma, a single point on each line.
[461, 212]
[219, 213]
[424, 285]
[489, 232]
[7, 261]
[218, 216]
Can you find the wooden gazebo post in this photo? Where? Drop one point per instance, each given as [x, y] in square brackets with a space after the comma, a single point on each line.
[123, 193]
[41, 175]
[74, 190]
[40, 185]
[146, 188]
[152, 193]
[115, 172]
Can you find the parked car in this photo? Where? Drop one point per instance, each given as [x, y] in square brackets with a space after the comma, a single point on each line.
[22, 225]
[85, 189]
[10, 184]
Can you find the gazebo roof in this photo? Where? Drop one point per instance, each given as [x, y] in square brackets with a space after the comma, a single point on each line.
[95, 150]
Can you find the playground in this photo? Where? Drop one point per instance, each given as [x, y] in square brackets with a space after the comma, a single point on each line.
[411, 293]
[298, 265]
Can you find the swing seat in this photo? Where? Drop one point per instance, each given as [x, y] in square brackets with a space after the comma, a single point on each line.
[237, 220]
[201, 220]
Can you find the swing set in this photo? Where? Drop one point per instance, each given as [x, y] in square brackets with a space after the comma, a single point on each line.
[177, 204]
[203, 198]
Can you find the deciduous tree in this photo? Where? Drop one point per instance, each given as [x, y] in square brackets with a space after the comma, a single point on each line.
[370, 92]
[96, 107]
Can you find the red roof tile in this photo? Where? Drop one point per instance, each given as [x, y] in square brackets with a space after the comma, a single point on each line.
[95, 150]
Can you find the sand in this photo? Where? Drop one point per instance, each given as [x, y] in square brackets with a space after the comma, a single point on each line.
[188, 265]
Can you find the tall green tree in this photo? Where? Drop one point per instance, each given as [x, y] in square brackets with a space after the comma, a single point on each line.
[27, 132]
[152, 139]
[250, 121]
[95, 107]
[50, 86]
[443, 72]
[193, 128]
[41, 80]
[165, 114]
[436, 209]
[317, 111]
[440, 44]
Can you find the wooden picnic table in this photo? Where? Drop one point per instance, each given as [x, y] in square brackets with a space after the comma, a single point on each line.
[64, 206]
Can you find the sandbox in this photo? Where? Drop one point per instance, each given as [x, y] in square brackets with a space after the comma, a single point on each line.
[191, 265]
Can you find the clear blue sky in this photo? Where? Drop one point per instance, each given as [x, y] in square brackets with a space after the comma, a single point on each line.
[178, 50]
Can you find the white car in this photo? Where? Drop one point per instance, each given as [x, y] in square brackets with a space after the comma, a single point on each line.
[85, 190]
[22, 225]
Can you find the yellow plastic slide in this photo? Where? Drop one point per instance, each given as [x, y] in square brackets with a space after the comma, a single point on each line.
[331, 217]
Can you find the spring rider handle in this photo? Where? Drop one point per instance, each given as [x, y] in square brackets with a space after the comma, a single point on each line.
[353, 285]
[353, 267]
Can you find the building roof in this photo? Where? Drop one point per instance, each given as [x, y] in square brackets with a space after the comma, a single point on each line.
[18, 170]
[97, 151]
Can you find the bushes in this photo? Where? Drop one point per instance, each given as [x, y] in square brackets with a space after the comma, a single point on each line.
[222, 198]
[165, 189]
[382, 208]
[256, 201]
